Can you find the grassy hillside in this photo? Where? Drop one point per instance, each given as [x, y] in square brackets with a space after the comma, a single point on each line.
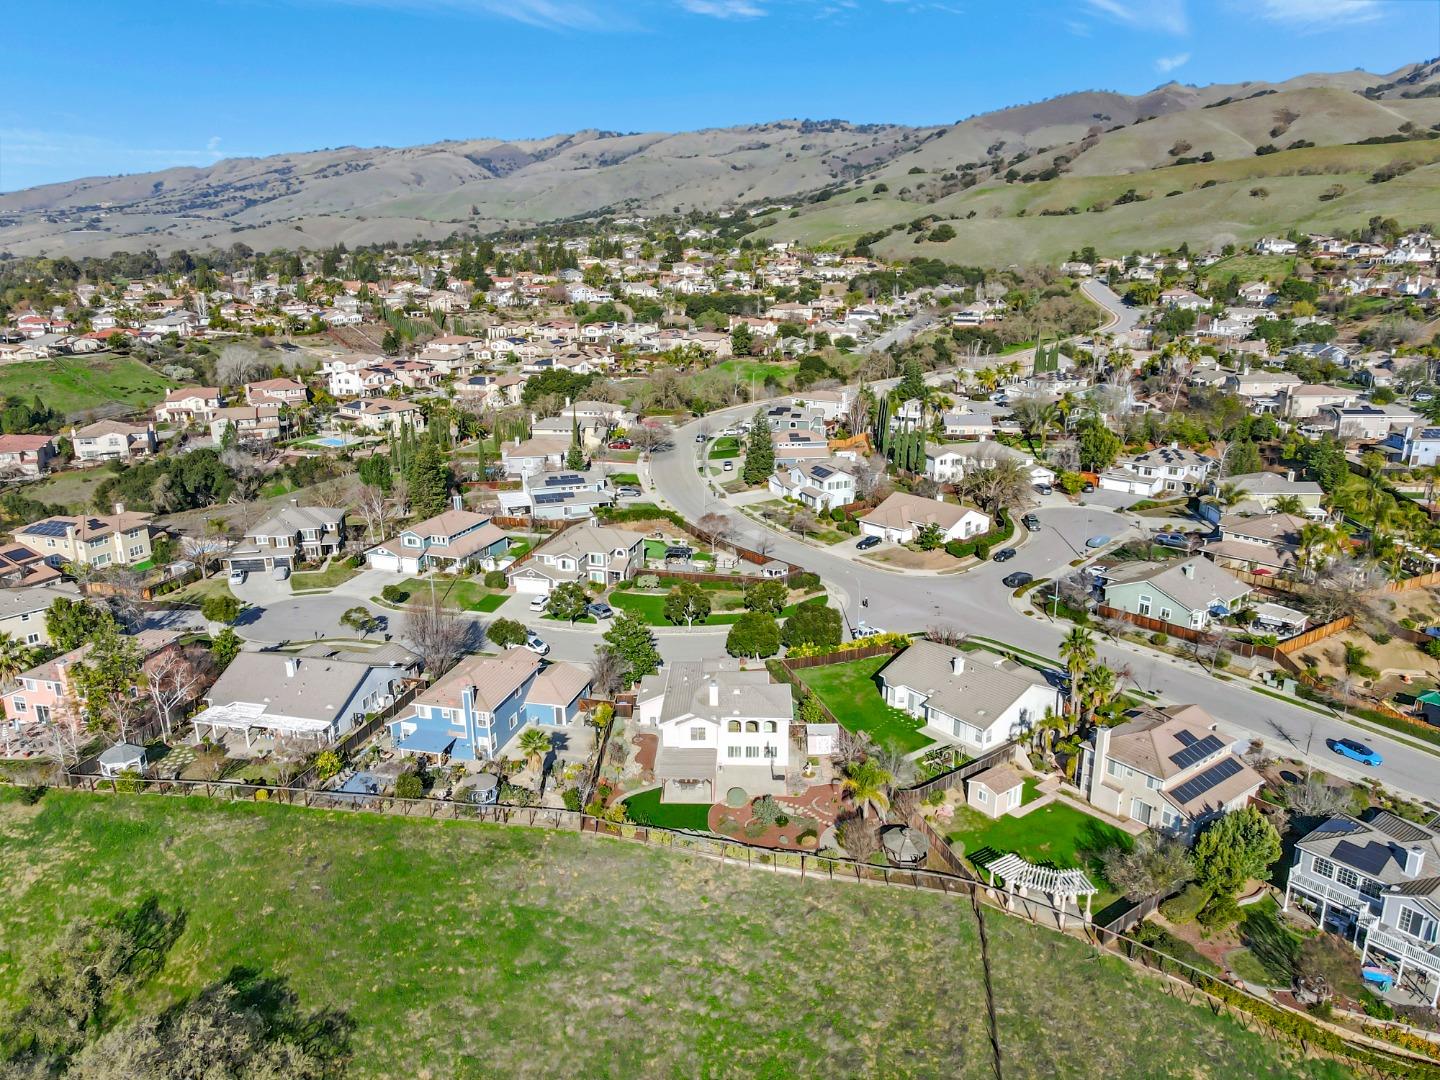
[461, 950]
[78, 384]
[1214, 205]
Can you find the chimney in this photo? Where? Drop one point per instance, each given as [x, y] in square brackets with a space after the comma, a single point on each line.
[957, 664]
[1188, 569]
[292, 665]
[1414, 860]
[714, 694]
[457, 501]
[119, 509]
[1097, 764]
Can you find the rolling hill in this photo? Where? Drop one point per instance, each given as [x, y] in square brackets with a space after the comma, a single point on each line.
[1027, 182]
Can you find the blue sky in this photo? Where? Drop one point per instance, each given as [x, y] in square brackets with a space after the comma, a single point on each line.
[134, 87]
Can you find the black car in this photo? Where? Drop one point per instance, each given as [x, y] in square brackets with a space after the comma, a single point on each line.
[1018, 578]
[1031, 522]
[1003, 555]
[866, 543]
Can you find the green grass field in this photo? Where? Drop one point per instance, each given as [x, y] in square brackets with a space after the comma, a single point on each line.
[725, 448]
[75, 385]
[647, 809]
[456, 592]
[336, 573]
[467, 951]
[850, 692]
[74, 490]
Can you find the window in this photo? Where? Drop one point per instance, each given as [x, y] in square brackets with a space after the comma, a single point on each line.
[1140, 811]
[771, 727]
[32, 639]
[1167, 818]
[42, 713]
[20, 705]
[697, 734]
[981, 795]
[752, 751]
[1347, 877]
[1416, 924]
[1324, 868]
[732, 751]
[1144, 605]
[1164, 614]
[1371, 888]
[752, 726]
[733, 725]
[1117, 770]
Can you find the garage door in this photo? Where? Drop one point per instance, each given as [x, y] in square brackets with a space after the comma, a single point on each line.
[385, 561]
[531, 586]
[250, 566]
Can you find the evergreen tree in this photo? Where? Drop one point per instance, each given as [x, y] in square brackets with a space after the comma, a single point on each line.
[575, 456]
[635, 645]
[912, 381]
[759, 451]
[429, 480]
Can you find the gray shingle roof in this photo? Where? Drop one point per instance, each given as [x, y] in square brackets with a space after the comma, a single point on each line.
[985, 687]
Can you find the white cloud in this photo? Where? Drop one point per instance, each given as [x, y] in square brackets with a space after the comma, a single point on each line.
[1166, 64]
[1167, 16]
[1316, 14]
[723, 9]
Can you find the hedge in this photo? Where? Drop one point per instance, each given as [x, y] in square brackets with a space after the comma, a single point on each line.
[982, 545]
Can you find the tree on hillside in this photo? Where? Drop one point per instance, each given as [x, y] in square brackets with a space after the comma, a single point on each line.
[1236, 847]
[1154, 865]
[912, 382]
[759, 451]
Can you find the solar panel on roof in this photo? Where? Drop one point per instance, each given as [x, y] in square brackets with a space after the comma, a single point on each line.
[1184, 738]
[47, 528]
[1197, 751]
[1370, 859]
[1198, 785]
[549, 498]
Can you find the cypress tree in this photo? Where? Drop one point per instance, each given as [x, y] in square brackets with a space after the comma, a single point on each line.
[759, 451]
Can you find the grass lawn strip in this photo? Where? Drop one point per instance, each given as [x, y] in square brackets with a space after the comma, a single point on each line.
[459, 593]
[451, 943]
[338, 572]
[647, 809]
[850, 692]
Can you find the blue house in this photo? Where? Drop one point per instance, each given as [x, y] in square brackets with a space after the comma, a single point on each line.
[475, 710]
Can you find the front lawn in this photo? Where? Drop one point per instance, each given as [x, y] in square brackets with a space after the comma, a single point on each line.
[338, 572]
[1056, 835]
[726, 606]
[647, 809]
[585, 968]
[849, 690]
[459, 593]
[725, 449]
[625, 478]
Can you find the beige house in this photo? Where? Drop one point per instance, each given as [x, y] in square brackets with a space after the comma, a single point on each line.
[24, 456]
[1172, 769]
[277, 392]
[121, 539]
[382, 414]
[595, 553]
[902, 515]
[112, 440]
[252, 423]
[190, 403]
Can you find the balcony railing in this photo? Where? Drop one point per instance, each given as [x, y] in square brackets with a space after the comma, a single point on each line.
[1333, 893]
[1404, 946]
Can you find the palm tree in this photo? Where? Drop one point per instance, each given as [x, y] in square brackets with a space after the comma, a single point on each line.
[535, 744]
[1314, 539]
[1097, 687]
[1288, 504]
[1078, 652]
[867, 782]
[1226, 496]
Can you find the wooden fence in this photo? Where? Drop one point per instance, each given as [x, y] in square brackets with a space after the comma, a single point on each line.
[1251, 1010]
[146, 590]
[946, 781]
[359, 736]
[839, 656]
[1240, 648]
[1128, 919]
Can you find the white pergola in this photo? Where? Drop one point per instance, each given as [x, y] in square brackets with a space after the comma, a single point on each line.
[1059, 885]
[247, 717]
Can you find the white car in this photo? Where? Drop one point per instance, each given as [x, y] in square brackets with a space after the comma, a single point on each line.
[237, 577]
[536, 644]
[864, 630]
[539, 603]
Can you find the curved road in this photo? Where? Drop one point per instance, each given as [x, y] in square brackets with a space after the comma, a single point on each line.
[977, 603]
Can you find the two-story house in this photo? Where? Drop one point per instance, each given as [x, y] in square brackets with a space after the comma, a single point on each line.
[47, 692]
[476, 709]
[583, 553]
[382, 414]
[1374, 881]
[820, 485]
[1186, 593]
[112, 440]
[538, 454]
[25, 456]
[190, 404]
[976, 700]
[449, 541]
[295, 534]
[1170, 768]
[949, 462]
[22, 611]
[1269, 543]
[277, 392]
[719, 728]
[1166, 469]
[120, 539]
[1263, 489]
[1414, 447]
[558, 495]
[251, 423]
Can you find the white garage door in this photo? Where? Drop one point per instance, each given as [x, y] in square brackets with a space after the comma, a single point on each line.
[384, 560]
[531, 586]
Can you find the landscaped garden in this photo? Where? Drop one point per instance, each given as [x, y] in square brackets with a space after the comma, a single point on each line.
[849, 690]
[640, 962]
[725, 448]
[647, 809]
[727, 604]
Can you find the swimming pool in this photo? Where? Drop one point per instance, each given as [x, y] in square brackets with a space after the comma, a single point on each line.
[331, 440]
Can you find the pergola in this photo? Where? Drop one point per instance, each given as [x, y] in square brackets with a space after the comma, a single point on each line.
[1059, 885]
[246, 717]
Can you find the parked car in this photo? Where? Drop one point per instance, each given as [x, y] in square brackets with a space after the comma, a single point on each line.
[1355, 751]
[866, 543]
[1044, 489]
[1003, 555]
[281, 573]
[621, 444]
[536, 644]
[701, 437]
[1018, 578]
[729, 466]
[1171, 539]
[1087, 487]
[1097, 541]
[1031, 522]
[864, 630]
[539, 603]
[237, 576]
[599, 610]
[629, 491]
[679, 551]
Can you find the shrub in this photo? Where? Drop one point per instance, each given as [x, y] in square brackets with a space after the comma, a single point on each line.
[1220, 912]
[408, 785]
[805, 580]
[1380, 637]
[767, 811]
[647, 581]
[495, 579]
[571, 795]
[394, 594]
[982, 550]
[1159, 639]
[1186, 904]
[355, 562]
[327, 764]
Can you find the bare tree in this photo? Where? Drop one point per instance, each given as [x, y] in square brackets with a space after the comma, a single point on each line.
[860, 837]
[852, 747]
[946, 634]
[238, 364]
[436, 633]
[290, 755]
[608, 671]
[204, 551]
[804, 522]
[649, 437]
[857, 414]
[377, 511]
[1313, 797]
[716, 528]
[174, 678]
